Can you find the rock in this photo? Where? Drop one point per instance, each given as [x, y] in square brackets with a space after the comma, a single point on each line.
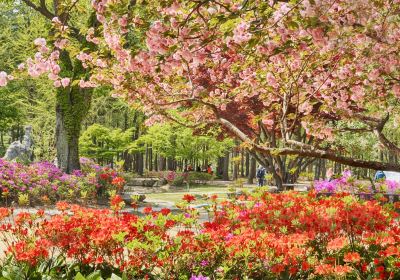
[273, 189]
[21, 151]
[166, 187]
[149, 182]
[160, 182]
[127, 197]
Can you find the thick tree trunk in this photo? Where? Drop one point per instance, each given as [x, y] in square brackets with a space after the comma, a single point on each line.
[67, 145]
[161, 163]
[72, 106]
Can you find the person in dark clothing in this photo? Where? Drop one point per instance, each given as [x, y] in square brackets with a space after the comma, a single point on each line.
[260, 176]
[380, 175]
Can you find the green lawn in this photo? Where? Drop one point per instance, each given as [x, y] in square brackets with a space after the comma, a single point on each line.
[197, 190]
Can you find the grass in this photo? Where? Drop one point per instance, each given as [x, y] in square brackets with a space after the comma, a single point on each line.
[175, 196]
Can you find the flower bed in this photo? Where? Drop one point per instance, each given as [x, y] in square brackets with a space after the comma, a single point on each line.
[347, 183]
[268, 236]
[43, 183]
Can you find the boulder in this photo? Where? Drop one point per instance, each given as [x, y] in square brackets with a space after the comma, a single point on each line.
[21, 150]
[161, 182]
[128, 197]
[273, 189]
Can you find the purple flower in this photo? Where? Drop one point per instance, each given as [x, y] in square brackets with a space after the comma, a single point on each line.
[199, 277]
[229, 236]
[204, 263]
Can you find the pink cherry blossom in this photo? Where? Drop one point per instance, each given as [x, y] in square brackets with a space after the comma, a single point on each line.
[123, 21]
[3, 79]
[40, 42]
[65, 82]
[396, 90]
[241, 33]
[272, 80]
[60, 44]
[57, 84]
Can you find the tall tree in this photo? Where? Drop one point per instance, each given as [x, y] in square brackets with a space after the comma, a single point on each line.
[58, 56]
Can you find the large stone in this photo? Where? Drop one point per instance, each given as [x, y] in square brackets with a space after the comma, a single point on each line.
[147, 182]
[21, 150]
[273, 189]
[128, 197]
[161, 182]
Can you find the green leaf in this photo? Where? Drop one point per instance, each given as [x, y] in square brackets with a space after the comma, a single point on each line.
[94, 276]
[115, 277]
[79, 276]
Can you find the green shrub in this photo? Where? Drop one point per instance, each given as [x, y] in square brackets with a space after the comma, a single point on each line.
[178, 181]
[199, 177]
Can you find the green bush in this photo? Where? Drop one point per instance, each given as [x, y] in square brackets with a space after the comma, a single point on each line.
[178, 181]
[199, 177]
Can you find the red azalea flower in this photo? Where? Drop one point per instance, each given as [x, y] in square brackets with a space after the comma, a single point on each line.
[352, 257]
[147, 210]
[189, 198]
[165, 211]
[103, 176]
[118, 181]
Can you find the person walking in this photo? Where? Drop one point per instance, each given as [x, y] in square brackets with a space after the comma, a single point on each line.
[209, 169]
[260, 176]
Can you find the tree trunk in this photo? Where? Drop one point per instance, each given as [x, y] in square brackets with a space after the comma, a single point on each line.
[139, 163]
[235, 164]
[161, 163]
[242, 163]
[225, 174]
[220, 167]
[170, 164]
[67, 144]
[72, 105]
[247, 164]
[252, 171]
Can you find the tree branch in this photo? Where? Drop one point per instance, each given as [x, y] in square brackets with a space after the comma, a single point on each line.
[306, 150]
[41, 9]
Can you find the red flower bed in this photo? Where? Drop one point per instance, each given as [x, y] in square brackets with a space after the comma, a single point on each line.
[269, 236]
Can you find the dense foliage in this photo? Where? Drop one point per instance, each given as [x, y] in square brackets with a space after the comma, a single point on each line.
[267, 236]
[179, 142]
[44, 183]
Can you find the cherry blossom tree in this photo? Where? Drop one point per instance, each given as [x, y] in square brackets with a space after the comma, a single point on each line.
[284, 77]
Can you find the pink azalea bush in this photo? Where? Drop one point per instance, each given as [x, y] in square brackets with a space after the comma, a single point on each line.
[43, 182]
[348, 183]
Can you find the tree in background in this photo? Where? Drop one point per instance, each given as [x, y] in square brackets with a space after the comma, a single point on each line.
[104, 144]
[178, 143]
